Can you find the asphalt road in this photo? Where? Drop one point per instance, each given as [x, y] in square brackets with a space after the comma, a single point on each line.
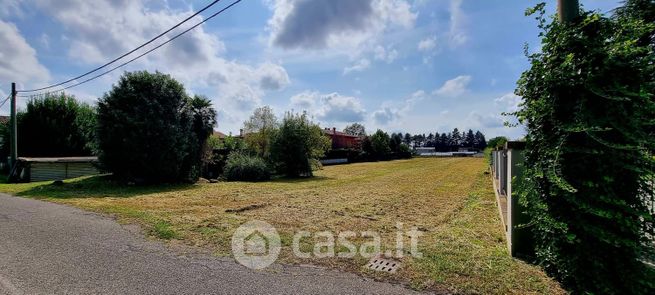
[47, 248]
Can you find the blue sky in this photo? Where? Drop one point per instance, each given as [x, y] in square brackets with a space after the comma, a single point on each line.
[416, 66]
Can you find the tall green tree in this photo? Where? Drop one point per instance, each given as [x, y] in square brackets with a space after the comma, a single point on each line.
[589, 109]
[455, 139]
[469, 139]
[480, 142]
[380, 144]
[259, 129]
[355, 129]
[298, 145]
[150, 130]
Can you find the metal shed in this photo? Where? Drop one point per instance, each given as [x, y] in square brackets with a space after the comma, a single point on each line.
[43, 169]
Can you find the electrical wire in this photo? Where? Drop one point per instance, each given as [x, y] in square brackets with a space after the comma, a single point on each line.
[5, 101]
[126, 54]
[151, 50]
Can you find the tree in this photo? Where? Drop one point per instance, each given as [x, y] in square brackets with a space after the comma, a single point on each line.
[298, 145]
[355, 129]
[588, 108]
[479, 142]
[395, 141]
[380, 144]
[150, 130]
[407, 139]
[455, 139]
[259, 130]
[429, 141]
[442, 146]
[497, 142]
[54, 126]
[469, 139]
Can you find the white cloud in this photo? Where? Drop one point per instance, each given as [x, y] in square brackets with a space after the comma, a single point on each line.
[18, 60]
[454, 87]
[427, 44]
[388, 55]
[330, 108]
[508, 102]
[487, 121]
[458, 34]
[101, 30]
[388, 113]
[273, 77]
[359, 66]
[335, 24]
[385, 115]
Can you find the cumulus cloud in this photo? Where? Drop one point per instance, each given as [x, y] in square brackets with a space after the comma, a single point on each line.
[19, 61]
[427, 44]
[458, 24]
[454, 87]
[508, 102]
[385, 54]
[331, 107]
[487, 120]
[359, 66]
[337, 23]
[387, 113]
[273, 77]
[101, 30]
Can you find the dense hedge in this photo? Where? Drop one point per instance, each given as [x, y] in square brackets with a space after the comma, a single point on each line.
[244, 167]
[54, 125]
[589, 110]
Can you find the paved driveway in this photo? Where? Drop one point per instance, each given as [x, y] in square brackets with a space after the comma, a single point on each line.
[48, 248]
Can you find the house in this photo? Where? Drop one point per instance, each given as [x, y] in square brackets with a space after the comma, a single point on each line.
[222, 135]
[341, 140]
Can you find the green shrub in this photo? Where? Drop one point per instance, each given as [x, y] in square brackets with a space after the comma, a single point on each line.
[243, 167]
[150, 130]
[53, 126]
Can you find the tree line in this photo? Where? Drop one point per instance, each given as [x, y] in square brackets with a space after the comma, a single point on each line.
[444, 142]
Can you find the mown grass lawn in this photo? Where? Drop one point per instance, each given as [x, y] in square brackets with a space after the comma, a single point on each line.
[449, 199]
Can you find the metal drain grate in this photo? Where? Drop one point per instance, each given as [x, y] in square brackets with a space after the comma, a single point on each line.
[385, 265]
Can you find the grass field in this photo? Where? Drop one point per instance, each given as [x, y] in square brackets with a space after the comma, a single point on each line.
[450, 200]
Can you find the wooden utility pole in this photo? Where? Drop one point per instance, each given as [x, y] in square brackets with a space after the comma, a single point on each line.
[13, 147]
[568, 10]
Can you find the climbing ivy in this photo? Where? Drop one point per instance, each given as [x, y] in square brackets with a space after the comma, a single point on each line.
[589, 108]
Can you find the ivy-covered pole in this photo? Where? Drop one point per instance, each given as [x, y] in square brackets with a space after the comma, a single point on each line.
[568, 10]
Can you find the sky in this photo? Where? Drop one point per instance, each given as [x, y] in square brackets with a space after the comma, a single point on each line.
[418, 66]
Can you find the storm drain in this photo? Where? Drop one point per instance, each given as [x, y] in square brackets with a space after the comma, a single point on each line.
[384, 265]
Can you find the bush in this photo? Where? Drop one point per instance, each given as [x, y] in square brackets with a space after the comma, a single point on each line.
[242, 167]
[53, 126]
[588, 107]
[150, 130]
[220, 151]
[297, 145]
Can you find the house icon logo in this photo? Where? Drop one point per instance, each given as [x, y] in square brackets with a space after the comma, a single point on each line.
[256, 244]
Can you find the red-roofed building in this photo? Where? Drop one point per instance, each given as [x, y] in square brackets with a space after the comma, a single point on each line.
[342, 140]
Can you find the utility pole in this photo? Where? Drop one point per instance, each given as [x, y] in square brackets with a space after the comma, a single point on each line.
[13, 147]
[568, 10]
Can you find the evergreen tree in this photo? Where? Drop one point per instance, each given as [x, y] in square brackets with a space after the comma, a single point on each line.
[469, 139]
[407, 139]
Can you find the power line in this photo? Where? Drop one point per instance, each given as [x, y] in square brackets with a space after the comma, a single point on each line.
[5, 101]
[151, 50]
[126, 54]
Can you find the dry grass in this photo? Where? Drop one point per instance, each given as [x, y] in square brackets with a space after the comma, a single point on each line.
[449, 199]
